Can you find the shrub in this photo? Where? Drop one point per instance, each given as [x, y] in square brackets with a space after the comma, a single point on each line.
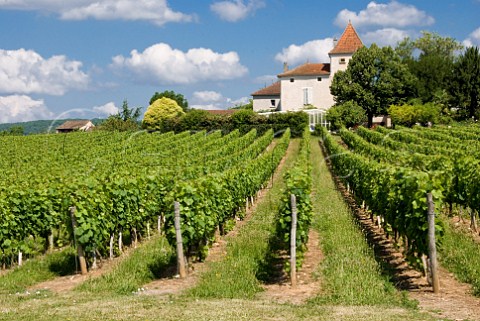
[347, 114]
[160, 112]
[409, 115]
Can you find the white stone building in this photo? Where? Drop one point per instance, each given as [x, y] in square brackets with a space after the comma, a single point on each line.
[308, 86]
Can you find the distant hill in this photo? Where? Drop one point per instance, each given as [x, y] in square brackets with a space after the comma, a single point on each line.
[42, 126]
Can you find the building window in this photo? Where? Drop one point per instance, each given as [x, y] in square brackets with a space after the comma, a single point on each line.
[342, 61]
[307, 96]
[319, 78]
[272, 102]
[292, 79]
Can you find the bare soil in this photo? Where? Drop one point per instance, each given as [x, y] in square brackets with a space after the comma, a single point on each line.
[308, 284]
[66, 283]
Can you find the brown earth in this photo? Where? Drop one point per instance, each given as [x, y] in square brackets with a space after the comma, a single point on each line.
[308, 284]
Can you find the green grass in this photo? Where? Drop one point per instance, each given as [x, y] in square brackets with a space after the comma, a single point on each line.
[350, 273]
[37, 270]
[93, 307]
[236, 276]
[459, 253]
[142, 265]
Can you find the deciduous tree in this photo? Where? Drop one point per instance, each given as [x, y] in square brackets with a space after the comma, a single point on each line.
[465, 87]
[179, 98]
[375, 79]
[159, 112]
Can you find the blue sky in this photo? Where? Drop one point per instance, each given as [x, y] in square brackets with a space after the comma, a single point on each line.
[82, 58]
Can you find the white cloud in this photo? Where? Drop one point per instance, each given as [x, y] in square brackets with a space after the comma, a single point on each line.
[473, 39]
[154, 11]
[266, 79]
[162, 64]
[207, 96]
[211, 100]
[239, 101]
[25, 72]
[393, 14]
[20, 108]
[208, 106]
[385, 37]
[236, 10]
[107, 109]
[314, 51]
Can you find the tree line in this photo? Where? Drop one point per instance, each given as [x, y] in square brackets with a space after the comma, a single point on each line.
[431, 78]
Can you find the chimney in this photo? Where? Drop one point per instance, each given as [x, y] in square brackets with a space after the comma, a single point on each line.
[335, 41]
[285, 67]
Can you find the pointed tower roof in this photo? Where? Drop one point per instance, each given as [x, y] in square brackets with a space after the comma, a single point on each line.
[348, 43]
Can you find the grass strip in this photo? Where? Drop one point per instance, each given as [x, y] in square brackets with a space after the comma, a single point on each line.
[236, 276]
[140, 266]
[459, 254]
[37, 270]
[350, 274]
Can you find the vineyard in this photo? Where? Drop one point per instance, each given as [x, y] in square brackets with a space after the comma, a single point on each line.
[391, 171]
[117, 196]
[126, 184]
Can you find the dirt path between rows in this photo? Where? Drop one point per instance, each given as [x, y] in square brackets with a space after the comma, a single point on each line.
[66, 283]
[454, 301]
[308, 284]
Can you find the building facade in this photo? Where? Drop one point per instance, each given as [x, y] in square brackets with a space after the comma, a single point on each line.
[308, 86]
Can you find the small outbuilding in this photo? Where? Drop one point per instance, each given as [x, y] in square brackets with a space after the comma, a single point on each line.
[75, 125]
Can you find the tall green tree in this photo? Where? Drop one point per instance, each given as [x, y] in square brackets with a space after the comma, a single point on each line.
[125, 120]
[430, 59]
[375, 79]
[465, 87]
[179, 98]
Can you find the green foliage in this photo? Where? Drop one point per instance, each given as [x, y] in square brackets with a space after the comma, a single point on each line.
[375, 79]
[161, 111]
[348, 114]
[409, 115]
[124, 120]
[126, 186]
[433, 67]
[194, 119]
[244, 120]
[296, 121]
[13, 131]
[237, 274]
[179, 98]
[465, 88]
[397, 193]
[298, 182]
[349, 271]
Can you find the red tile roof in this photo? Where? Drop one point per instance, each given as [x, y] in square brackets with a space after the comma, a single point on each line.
[349, 42]
[272, 90]
[308, 69]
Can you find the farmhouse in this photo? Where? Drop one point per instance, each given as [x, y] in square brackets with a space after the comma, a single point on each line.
[308, 86]
[75, 125]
